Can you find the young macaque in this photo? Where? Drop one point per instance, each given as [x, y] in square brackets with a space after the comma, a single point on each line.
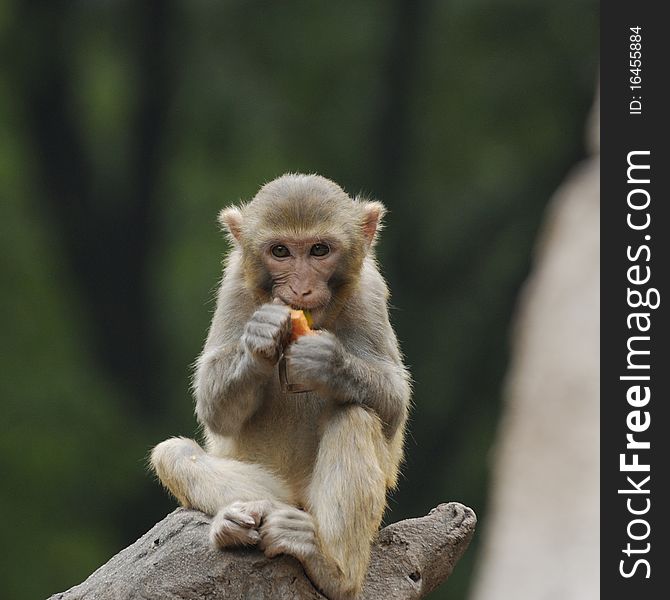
[299, 474]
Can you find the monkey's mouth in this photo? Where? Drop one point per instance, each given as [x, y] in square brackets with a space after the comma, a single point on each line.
[313, 307]
[309, 307]
[317, 310]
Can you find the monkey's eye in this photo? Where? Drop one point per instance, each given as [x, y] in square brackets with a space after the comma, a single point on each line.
[280, 251]
[319, 250]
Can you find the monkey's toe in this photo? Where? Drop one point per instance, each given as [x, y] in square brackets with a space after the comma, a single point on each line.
[288, 531]
[233, 529]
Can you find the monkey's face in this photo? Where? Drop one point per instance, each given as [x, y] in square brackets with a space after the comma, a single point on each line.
[303, 241]
[301, 271]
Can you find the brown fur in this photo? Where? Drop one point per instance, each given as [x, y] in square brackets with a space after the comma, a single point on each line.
[301, 474]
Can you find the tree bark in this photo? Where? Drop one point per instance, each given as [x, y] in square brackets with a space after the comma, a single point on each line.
[175, 561]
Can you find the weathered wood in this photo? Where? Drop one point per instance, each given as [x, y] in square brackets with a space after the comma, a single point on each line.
[175, 561]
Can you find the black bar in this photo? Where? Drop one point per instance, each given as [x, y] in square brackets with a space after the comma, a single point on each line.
[635, 242]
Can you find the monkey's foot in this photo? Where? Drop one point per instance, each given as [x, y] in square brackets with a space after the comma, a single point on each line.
[237, 524]
[288, 530]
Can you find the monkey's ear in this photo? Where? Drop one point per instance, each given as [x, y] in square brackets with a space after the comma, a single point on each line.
[373, 213]
[231, 219]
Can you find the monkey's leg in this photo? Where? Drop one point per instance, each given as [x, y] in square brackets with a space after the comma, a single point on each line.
[238, 493]
[347, 497]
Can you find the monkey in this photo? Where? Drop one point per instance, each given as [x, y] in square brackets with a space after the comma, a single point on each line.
[307, 474]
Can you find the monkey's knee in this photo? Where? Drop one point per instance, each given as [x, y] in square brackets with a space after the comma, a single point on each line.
[172, 462]
[208, 483]
[167, 455]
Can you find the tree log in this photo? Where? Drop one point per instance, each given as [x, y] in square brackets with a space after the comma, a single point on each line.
[175, 561]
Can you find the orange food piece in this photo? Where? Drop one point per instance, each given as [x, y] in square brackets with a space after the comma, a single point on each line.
[299, 325]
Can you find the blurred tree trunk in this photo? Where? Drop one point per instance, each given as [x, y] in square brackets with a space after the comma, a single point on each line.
[108, 227]
[542, 537]
[393, 132]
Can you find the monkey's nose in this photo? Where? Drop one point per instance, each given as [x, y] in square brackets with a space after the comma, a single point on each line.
[299, 294]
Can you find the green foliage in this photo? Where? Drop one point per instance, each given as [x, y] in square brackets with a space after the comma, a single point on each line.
[125, 127]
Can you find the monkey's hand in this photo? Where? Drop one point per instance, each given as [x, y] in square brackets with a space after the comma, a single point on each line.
[321, 363]
[315, 360]
[267, 332]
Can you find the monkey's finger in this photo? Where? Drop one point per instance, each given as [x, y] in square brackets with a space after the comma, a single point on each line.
[227, 533]
[286, 541]
[306, 356]
[230, 527]
[293, 513]
[273, 321]
[272, 313]
[288, 523]
[235, 512]
[241, 519]
[262, 330]
[254, 537]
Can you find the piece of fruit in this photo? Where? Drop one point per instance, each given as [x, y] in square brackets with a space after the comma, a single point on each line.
[308, 316]
[300, 324]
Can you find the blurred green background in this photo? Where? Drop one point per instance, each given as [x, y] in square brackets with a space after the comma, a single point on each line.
[124, 128]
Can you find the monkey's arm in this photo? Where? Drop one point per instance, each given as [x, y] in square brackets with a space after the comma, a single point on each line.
[237, 361]
[227, 387]
[378, 382]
